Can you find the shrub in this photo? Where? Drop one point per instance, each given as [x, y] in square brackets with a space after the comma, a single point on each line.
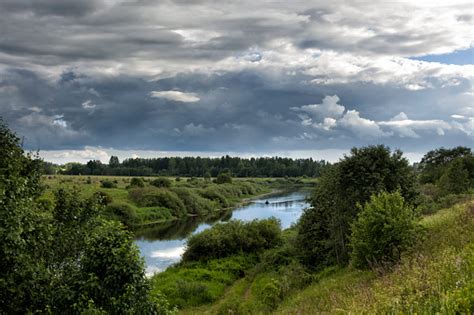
[161, 182]
[157, 197]
[223, 178]
[194, 203]
[107, 184]
[137, 182]
[214, 194]
[385, 227]
[122, 212]
[232, 238]
[103, 198]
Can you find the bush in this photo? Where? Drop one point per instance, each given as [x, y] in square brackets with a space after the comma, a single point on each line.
[223, 178]
[385, 228]
[103, 198]
[194, 203]
[232, 238]
[122, 212]
[137, 182]
[161, 182]
[158, 197]
[107, 184]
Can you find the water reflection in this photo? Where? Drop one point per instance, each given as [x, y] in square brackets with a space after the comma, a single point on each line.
[163, 244]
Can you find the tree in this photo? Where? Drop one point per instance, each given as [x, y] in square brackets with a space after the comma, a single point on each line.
[385, 227]
[114, 162]
[324, 228]
[65, 259]
[434, 162]
[455, 179]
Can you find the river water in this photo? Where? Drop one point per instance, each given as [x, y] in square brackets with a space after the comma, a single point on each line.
[162, 245]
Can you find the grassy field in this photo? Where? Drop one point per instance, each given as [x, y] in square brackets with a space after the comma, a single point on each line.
[435, 277]
[181, 197]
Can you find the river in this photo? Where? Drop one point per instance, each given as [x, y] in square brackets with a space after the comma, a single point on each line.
[162, 245]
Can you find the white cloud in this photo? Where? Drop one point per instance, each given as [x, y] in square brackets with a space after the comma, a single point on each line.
[176, 96]
[328, 108]
[88, 105]
[361, 127]
[406, 127]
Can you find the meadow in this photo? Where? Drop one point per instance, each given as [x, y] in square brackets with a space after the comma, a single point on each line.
[140, 201]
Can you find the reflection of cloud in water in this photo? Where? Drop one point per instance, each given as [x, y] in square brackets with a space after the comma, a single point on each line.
[168, 252]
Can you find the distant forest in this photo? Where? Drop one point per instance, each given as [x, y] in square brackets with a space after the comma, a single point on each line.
[195, 166]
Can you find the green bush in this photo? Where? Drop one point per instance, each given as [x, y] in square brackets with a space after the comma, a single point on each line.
[137, 182]
[213, 193]
[158, 197]
[223, 178]
[161, 182]
[232, 238]
[107, 184]
[103, 198]
[122, 212]
[194, 203]
[384, 228]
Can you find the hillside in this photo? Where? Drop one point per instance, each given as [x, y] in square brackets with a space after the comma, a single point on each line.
[436, 276]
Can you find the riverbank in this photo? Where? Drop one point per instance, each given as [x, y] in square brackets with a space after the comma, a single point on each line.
[143, 204]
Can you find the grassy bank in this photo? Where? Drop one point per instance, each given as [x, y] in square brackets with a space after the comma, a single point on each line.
[143, 201]
[435, 276]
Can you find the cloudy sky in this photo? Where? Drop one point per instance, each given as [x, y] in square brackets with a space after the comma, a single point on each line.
[87, 79]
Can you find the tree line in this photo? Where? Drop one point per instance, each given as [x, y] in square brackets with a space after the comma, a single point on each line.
[197, 167]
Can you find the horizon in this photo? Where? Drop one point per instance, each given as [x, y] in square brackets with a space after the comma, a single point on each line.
[103, 77]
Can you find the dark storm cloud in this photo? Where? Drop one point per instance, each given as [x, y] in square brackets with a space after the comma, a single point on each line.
[242, 111]
[235, 76]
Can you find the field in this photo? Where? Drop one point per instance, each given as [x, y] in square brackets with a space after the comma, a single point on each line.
[157, 199]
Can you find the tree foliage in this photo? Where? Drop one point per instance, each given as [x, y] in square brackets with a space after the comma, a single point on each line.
[434, 162]
[324, 228]
[63, 258]
[385, 228]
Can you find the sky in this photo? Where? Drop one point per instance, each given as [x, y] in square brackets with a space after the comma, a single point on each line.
[83, 80]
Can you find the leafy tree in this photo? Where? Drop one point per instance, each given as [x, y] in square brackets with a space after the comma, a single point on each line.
[114, 161]
[455, 179]
[385, 227]
[63, 258]
[324, 228]
[434, 162]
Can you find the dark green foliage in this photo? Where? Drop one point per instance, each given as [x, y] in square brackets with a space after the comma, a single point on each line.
[434, 162]
[107, 184]
[114, 162]
[224, 178]
[201, 167]
[455, 178]
[161, 182]
[123, 213]
[61, 258]
[232, 238]
[158, 197]
[325, 227]
[384, 229]
[137, 182]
